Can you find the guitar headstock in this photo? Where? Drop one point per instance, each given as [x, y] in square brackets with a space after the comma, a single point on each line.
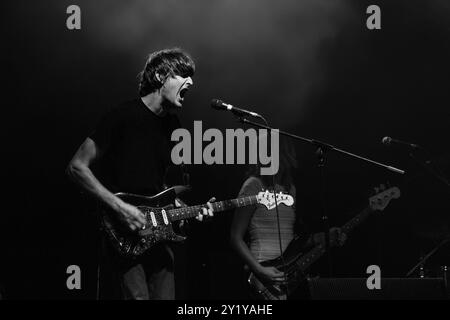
[383, 196]
[267, 199]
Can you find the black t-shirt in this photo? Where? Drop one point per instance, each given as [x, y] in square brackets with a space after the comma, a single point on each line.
[136, 148]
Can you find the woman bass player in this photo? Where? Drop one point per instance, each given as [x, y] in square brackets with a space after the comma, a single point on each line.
[259, 226]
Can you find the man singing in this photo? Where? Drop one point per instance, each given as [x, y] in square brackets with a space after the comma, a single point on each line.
[131, 150]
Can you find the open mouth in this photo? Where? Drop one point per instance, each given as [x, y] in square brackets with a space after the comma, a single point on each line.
[183, 92]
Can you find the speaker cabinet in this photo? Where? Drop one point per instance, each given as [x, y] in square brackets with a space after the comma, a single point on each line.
[391, 289]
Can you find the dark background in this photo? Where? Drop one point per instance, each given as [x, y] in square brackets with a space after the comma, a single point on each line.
[310, 67]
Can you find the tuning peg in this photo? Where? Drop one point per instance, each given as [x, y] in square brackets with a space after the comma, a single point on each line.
[376, 189]
[382, 187]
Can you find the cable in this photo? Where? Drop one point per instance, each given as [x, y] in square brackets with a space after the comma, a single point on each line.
[278, 224]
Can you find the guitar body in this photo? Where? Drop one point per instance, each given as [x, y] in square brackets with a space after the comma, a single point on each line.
[268, 291]
[132, 244]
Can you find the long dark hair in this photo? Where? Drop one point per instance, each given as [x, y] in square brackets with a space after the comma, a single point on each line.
[287, 166]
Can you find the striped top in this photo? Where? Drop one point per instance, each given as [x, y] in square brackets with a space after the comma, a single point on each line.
[263, 227]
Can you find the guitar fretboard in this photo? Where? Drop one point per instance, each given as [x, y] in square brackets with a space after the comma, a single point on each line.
[312, 256]
[192, 211]
[356, 220]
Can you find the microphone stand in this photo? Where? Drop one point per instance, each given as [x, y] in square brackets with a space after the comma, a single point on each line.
[320, 152]
[426, 257]
[322, 149]
[277, 213]
[430, 168]
[325, 147]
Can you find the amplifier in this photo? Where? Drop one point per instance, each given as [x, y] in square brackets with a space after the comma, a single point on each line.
[391, 289]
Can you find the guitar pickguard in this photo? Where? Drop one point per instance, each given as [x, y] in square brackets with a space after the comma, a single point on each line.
[133, 244]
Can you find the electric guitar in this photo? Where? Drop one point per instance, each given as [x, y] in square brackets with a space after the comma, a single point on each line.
[297, 261]
[160, 212]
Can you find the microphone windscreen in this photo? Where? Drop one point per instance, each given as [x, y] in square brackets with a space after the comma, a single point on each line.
[386, 141]
[217, 104]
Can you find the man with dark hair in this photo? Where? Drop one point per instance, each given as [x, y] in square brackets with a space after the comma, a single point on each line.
[131, 147]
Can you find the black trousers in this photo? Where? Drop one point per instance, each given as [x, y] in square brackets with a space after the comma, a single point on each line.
[150, 277]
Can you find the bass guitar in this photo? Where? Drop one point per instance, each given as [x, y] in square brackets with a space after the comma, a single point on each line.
[297, 261]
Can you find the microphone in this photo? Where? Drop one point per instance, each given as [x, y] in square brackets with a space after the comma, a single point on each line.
[220, 105]
[388, 141]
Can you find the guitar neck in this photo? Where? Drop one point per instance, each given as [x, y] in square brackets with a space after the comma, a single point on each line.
[309, 258]
[356, 220]
[219, 206]
[314, 254]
